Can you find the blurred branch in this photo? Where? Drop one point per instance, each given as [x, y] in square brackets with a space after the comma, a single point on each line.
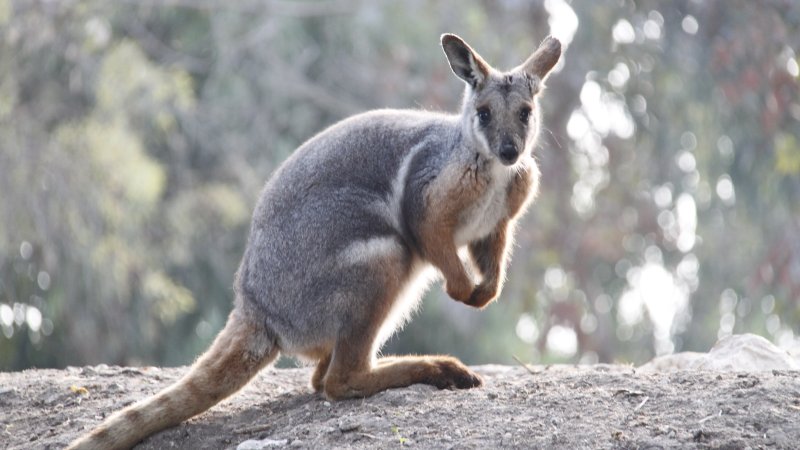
[293, 82]
[152, 44]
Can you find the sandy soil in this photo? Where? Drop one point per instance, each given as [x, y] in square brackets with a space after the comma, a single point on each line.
[553, 407]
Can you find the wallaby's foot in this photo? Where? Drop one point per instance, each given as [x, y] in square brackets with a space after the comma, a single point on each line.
[444, 372]
[454, 374]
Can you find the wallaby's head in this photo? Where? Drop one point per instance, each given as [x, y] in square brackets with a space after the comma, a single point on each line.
[500, 113]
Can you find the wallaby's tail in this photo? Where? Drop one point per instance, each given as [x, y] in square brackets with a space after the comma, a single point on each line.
[240, 350]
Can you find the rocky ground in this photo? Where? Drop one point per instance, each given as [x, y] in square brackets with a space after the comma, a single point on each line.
[535, 407]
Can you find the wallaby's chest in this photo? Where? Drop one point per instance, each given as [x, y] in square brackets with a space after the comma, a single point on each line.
[489, 206]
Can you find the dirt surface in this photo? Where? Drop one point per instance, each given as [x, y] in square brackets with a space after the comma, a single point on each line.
[553, 407]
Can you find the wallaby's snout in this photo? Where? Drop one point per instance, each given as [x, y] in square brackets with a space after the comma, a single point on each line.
[508, 152]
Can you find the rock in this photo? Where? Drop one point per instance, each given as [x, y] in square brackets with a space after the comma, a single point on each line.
[258, 444]
[348, 424]
[572, 407]
[747, 352]
[778, 438]
[6, 391]
[395, 397]
[55, 397]
[794, 350]
[737, 353]
[675, 361]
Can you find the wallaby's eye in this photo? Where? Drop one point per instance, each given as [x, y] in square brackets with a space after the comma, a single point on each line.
[524, 115]
[484, 116]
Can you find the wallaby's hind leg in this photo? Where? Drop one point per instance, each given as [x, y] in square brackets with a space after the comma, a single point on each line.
[318, 379]
[351, 373]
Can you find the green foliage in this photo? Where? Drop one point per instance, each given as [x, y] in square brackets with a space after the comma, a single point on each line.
[787, 154]
[135, 138]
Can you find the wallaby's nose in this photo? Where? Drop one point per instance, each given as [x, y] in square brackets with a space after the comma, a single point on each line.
[508, 152]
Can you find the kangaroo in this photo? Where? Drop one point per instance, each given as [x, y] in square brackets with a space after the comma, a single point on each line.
[349, 232]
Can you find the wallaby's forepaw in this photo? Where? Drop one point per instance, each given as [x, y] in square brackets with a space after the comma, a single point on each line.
[453, 374]
[460, 292]
[482, 295]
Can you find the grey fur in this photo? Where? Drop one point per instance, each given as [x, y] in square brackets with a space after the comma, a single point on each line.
[334, 191]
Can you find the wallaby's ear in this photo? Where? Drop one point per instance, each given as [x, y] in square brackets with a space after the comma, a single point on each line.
[465, 62]
[543, 59]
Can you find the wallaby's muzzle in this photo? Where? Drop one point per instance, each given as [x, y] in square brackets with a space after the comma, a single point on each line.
[508, 152]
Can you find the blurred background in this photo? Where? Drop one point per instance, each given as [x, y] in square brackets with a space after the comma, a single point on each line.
[136, 135]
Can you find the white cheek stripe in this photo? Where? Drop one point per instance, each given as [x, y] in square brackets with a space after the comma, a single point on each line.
[472, 128]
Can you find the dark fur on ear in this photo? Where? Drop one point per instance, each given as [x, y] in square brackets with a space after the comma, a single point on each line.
[465, 62]
[543, 59]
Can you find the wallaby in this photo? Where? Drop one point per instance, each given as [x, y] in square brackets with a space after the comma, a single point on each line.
[350, 230]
